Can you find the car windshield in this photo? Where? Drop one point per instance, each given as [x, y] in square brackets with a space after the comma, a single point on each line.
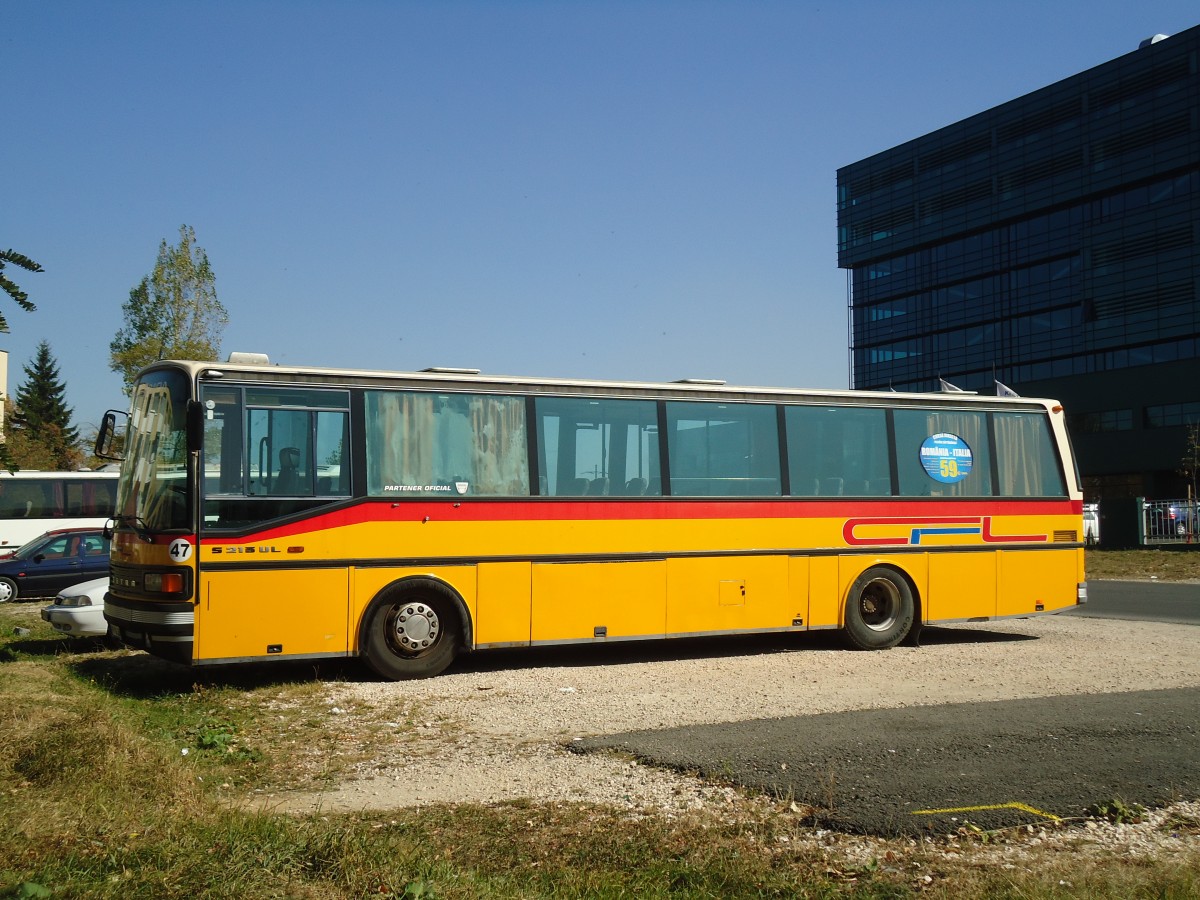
[152, 492]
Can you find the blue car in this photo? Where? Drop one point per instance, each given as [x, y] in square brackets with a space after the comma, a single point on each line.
[53, 561]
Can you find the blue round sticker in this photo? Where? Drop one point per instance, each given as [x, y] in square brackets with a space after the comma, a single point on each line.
[946, 458]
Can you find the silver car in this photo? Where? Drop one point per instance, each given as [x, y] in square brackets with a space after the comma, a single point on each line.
[78, 610]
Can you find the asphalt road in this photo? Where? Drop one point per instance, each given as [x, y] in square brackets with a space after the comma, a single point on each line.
[934, 768]
[1157, 601]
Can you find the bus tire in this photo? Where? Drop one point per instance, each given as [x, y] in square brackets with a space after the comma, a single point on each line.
[412, 631]
[8, 590]
[879, 609]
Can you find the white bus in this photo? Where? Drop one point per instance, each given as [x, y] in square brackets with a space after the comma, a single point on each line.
[35, 502]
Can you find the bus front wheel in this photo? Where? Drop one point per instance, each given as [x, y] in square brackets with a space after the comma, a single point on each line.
[411, 633]
[879, 609]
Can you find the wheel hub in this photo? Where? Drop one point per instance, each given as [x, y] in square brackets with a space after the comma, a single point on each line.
[414, 627]
[880, 604]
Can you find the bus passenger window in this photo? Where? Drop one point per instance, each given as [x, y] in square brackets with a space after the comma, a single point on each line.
[838, 451]
[1026, 458]
[271, 452]
[943, 453]
[595, 447]
[445, 445]
[726, 450]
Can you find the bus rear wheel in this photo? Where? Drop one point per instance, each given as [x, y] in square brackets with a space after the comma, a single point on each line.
[412, 632]
[879, 609]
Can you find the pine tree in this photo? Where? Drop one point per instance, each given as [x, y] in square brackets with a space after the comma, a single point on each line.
[10, 287]
[40, 427]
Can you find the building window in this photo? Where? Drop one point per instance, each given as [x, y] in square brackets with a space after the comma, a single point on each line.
[1172, 415]
[1097, 422]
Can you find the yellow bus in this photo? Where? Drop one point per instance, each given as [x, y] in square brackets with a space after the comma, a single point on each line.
[270, 512]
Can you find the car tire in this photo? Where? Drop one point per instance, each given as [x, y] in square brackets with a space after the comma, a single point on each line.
[8, 590]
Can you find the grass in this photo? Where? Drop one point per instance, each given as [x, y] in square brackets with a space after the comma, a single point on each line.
[99, 799]
[1176, 564]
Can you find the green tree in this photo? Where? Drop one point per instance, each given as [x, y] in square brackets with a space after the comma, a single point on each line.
[173, 313]
[10, 287]
[1190, 463]
[40, 433]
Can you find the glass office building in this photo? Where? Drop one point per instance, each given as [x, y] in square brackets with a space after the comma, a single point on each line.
[1049, 244]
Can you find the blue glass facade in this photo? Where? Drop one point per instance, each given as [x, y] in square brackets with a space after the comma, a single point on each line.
[1049, 243]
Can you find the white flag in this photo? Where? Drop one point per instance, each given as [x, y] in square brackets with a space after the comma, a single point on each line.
[950, 388]
[1003, 390]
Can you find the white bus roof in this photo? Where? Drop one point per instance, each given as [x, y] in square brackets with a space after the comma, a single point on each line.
[458, 379]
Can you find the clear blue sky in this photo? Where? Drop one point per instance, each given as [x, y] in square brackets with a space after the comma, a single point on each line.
[581, 189]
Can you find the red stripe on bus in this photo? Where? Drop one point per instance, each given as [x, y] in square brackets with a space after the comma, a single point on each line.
[898, 511]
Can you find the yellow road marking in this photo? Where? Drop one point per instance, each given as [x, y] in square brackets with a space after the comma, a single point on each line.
[965, 809]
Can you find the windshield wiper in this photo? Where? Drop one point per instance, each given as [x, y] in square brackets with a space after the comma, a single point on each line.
[137, 522]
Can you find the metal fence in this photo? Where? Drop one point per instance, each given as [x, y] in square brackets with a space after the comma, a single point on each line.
[1124, 522]
[1170, 522]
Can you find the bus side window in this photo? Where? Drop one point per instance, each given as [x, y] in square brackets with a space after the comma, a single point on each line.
[333, 429]
[596, 447]
[1027, 461]
[274, 454]
[838, 450]
[726, 450]
[916, 427]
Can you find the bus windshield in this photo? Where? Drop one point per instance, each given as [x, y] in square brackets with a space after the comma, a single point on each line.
[153, 488]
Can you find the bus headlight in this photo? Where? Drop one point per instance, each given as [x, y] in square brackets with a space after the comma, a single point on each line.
[164, 582]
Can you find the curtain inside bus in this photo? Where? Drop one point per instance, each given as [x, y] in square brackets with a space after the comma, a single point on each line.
[1026, 458]
[914, 427]
[446, 444]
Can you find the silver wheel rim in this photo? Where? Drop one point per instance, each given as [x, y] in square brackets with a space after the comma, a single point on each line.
[6, 592]
[879, 604]
[412, 628]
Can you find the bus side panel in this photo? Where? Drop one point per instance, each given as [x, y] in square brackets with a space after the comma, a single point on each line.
[1029, 578]
[503, 615]
[277, 612]
[798, 589]
[728, 594]
[961, 586]
[584, 601]
[370, 580]
[824, 593]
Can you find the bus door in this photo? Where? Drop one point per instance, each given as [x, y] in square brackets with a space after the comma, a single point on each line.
[273, 455]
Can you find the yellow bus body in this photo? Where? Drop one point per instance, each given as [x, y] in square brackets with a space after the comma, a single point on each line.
[290, 596]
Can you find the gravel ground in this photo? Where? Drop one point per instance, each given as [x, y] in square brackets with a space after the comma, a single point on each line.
[489, 733]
